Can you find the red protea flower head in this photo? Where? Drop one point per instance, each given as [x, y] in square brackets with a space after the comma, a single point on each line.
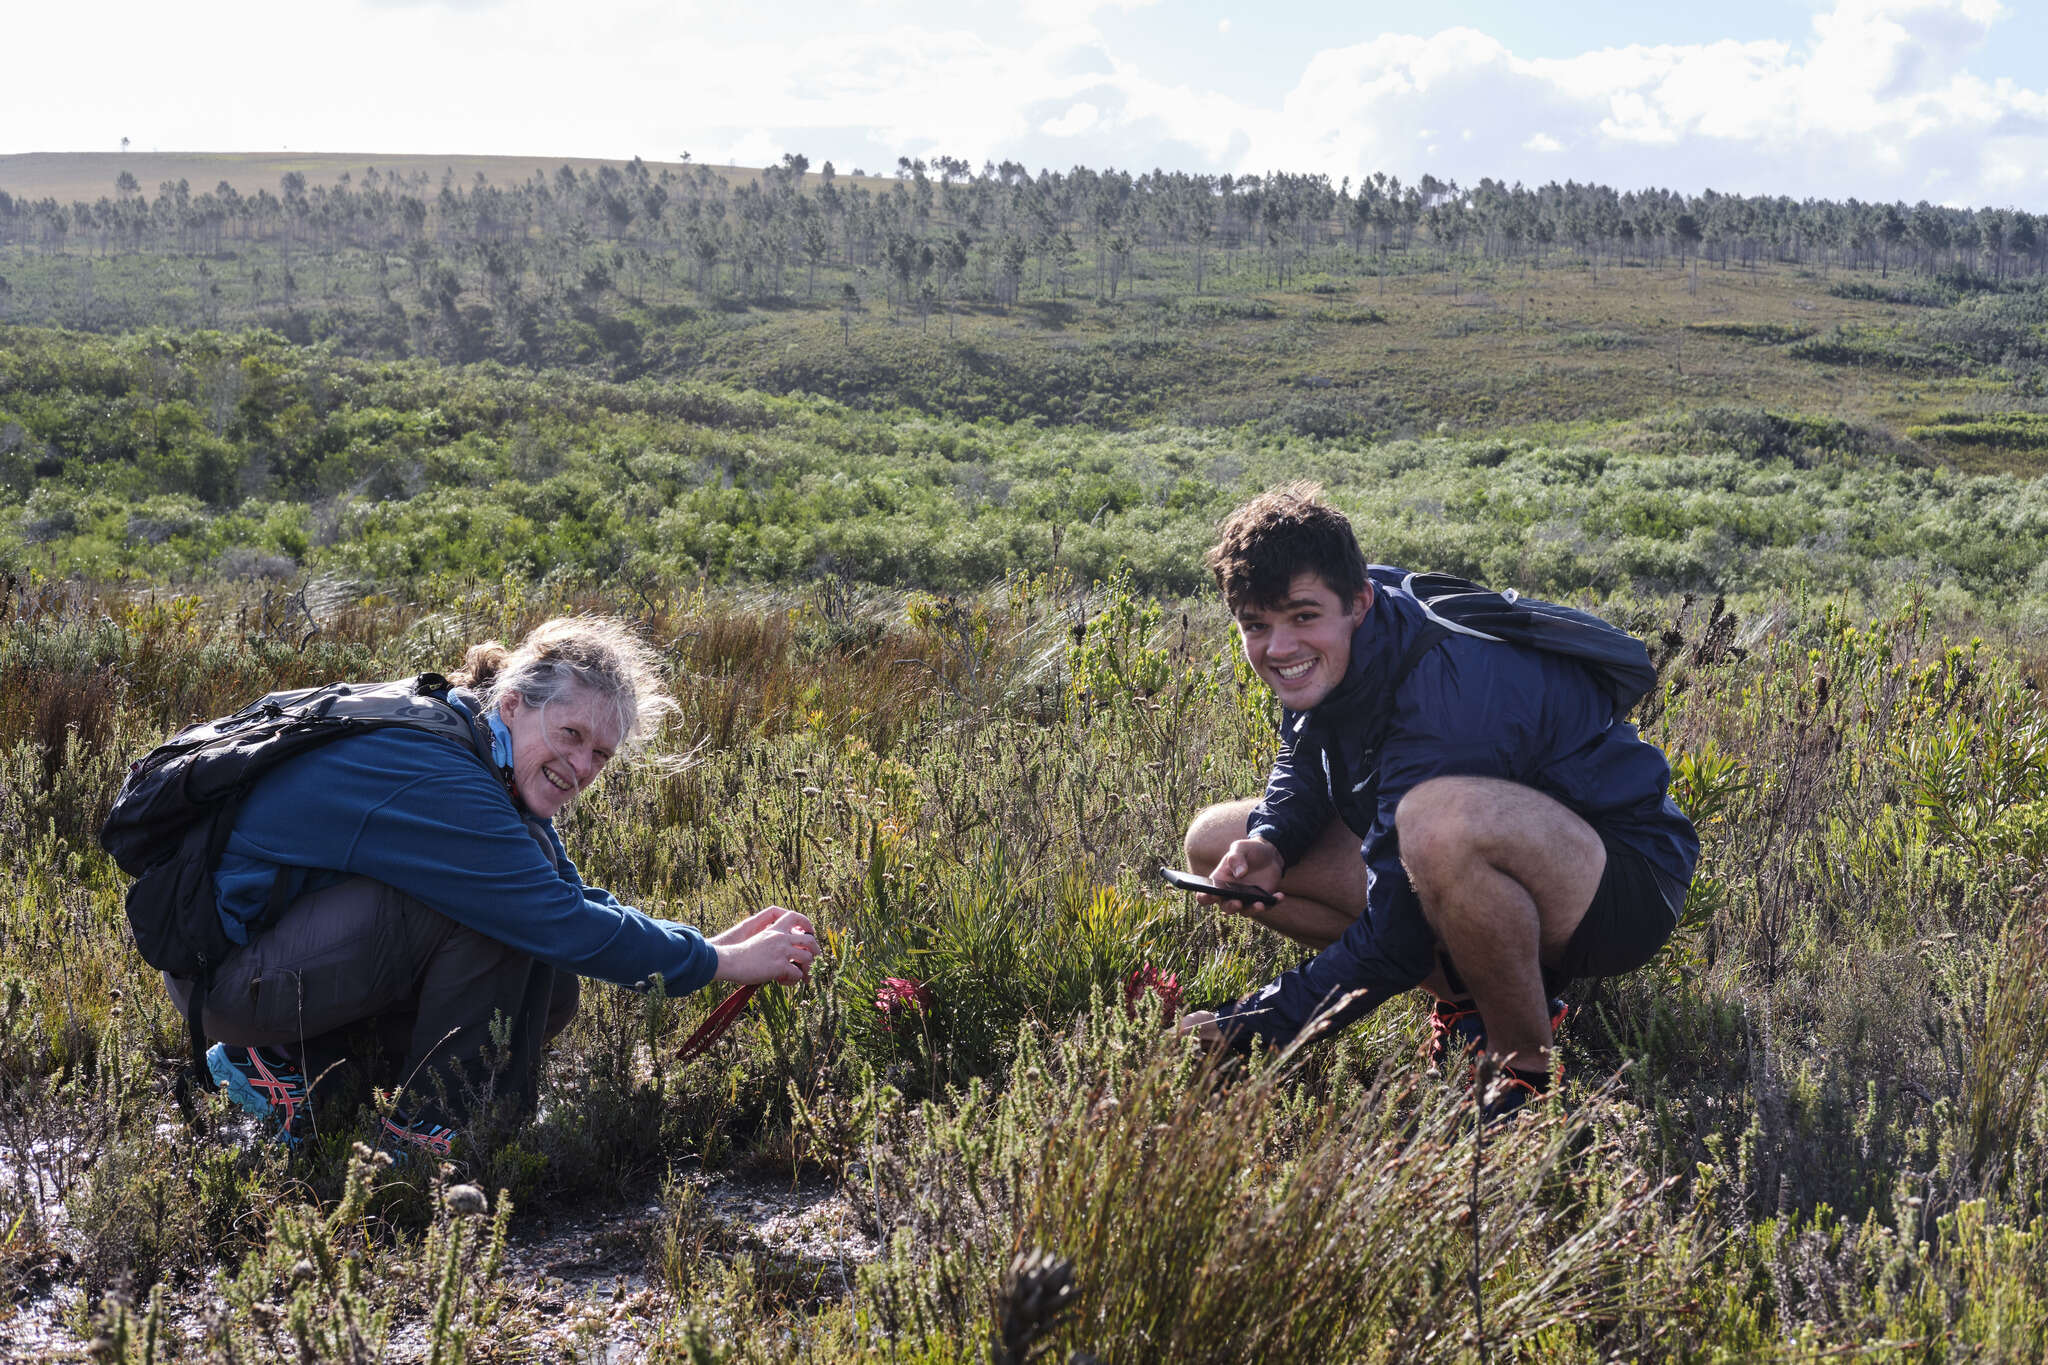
[1148, 979]
[900, 997]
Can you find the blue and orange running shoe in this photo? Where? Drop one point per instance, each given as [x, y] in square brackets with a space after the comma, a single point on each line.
[1455, 1030]
[404, 1139]
[265, 1085]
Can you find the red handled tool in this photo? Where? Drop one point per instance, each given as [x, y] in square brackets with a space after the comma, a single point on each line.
[715, 1026]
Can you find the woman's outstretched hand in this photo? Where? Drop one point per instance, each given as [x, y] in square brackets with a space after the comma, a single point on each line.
[772, 944]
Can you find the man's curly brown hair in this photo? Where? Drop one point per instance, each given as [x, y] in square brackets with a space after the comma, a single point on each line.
[1282, 533]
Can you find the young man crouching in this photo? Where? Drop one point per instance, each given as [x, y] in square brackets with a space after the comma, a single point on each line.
[1469, 815]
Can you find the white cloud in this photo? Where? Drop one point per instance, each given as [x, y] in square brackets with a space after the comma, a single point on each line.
[754, 147]
[1078, 119]
[1877, 103]
[1068, 14]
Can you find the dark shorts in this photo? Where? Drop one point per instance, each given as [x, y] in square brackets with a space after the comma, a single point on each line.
[1632, 915]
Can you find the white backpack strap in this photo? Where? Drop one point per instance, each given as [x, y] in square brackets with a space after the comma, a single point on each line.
[1408, 586]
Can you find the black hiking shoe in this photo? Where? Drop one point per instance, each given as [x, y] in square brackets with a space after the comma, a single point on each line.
[1455, 1031]
[1510, 1093]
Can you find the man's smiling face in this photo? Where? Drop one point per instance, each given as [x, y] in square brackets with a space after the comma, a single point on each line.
[558, 749]
[1301, 645]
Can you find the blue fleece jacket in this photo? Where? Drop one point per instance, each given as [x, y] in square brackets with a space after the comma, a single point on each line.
[418, 813]
[1470, 708]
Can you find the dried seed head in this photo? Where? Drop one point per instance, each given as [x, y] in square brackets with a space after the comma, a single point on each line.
[464, 1200]
[1038, 1289]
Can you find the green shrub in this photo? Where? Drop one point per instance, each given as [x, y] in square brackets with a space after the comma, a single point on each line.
[2004, 430]
[1877, 348]
[1912, 295]
[1756, 333]
[1600, 341]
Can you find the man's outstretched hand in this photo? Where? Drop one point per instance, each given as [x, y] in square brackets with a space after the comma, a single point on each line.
[1201, 1023]
[1248, 862]
[772, 944]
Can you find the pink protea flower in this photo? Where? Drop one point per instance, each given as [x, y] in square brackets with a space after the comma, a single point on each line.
[1149, 979]
[902, 997]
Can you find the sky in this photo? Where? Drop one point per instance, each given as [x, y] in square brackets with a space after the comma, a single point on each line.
[1944, 100]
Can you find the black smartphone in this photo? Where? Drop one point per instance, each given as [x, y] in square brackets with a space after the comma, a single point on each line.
[1226, 891]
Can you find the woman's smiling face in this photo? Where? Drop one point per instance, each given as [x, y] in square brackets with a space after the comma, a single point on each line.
[559, 748]
[1302, 646]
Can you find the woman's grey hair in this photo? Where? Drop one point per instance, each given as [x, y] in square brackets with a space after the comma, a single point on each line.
[600, 654]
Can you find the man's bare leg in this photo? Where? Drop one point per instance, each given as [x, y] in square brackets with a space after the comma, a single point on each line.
[1324, 892]
[1505, 875]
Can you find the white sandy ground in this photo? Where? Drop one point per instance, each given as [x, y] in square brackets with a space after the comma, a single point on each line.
[583, 1272]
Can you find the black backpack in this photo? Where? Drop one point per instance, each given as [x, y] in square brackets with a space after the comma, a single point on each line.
[171, 821]
[1618, 661]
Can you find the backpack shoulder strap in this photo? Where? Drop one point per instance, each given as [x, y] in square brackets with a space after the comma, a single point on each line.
[476, 727]
[1435, 591]
[1618, 661]
[1426, 639]
[1423, 588]
[426, 703]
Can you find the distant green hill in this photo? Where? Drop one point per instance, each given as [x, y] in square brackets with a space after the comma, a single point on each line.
[1084, 297]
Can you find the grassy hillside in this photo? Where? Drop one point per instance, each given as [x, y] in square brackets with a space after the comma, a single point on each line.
[174, 459]
[1083, 298]
[1419, 353]
[1478, 350]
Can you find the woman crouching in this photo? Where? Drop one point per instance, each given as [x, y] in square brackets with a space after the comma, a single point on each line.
[427, 901]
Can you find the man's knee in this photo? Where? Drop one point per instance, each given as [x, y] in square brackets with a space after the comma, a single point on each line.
[1211, 833]
[1440, 824]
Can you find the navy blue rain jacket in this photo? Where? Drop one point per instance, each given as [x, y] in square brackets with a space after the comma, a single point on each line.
[1468, 708]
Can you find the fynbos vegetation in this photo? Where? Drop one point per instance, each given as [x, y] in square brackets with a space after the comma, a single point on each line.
[1809, 1124]
[935, 618]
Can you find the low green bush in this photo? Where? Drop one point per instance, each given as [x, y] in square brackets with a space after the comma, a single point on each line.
[1757, 333]
[2003, 430]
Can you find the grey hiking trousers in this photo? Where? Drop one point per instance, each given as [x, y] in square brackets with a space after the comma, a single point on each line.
[361, 952]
